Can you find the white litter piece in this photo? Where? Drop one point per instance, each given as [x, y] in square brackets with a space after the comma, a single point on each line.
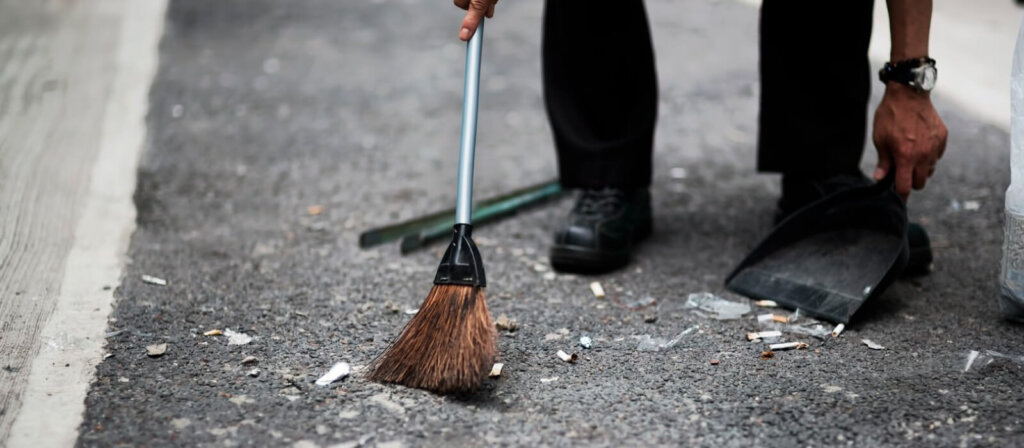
[788, 346]
[156, 350]
[765, 318]
[411, 311]
[154, 280]
[548, 380]
[722, 309]
[250, 360]
[496, 370]
[972, 205]
[540, 267]
[872, 344]
[766, 304]
[567, 357]
[597, 289]
[755, 335]
[337, 372]
[586, 342]
[236, 337]
[838, 330]
[254, 372]
[678, 172]
[550, 276]
[971, 357]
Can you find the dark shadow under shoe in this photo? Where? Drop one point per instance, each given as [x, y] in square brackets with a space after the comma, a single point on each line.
[798, 192]
[602, 230]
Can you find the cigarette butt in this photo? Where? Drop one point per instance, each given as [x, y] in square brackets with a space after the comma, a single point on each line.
[213, 333]
[597, 289]
[766, 304]
[838, 330]
[780, 319]
[496, 370]
[755, 335]
[567, 357]
[788, 346]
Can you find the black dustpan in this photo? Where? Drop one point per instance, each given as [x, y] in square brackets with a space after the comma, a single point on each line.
[830, 257]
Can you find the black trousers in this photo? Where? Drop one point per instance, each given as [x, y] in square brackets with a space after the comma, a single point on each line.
[601, 88]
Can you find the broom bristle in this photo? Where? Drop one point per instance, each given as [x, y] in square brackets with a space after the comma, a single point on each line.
[447, 347]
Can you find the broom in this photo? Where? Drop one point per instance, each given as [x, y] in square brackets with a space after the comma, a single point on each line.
[449, 346]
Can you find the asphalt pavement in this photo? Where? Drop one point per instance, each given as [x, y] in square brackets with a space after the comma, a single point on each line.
[261, 110]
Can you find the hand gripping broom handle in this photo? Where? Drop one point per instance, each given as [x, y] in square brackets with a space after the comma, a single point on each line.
[461, 264]
[467, 144]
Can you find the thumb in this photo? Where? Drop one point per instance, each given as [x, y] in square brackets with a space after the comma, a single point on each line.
[477, 9]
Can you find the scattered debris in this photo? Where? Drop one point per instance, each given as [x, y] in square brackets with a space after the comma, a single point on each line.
[650, 318]
[597, 289]
[678, 172]
[767, 354]
[411, 311]
[766, 304]
[838, 330]
[817, 331]
[723, 309]
[108, 355]
[756, 335]
[154, 280]
[765, 318]
[972, 205]
[122, 379]
[250, 361]
[586, 342]
[156, 350]
[496, 370]
[337, 372]
[504, 323]
[548, 380]
[714, 362]
[540, 267]
[649, 344]
[549, 276]
[237, 338]
[213, 333]
[314, 210]
[254, 372]
[780, 319]
[567, 357]
[977, 360]
[788, 346]
[872, 344]
[552, 337]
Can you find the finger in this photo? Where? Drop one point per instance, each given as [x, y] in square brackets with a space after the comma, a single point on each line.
[490, 10]
[475, 14]
[884, 162]
[904, 178]
[921, 173]
[464, 4]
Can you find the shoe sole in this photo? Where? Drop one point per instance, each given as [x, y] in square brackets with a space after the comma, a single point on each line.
[583, 260]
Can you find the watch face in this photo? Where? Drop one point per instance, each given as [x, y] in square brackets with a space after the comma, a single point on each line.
[925, 76]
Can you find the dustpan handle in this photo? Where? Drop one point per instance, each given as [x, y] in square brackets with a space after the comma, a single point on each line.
[467, 143]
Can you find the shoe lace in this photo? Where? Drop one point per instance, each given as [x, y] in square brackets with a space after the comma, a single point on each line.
[600, 201]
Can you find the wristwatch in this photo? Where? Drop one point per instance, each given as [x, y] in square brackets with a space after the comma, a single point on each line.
[918, 73]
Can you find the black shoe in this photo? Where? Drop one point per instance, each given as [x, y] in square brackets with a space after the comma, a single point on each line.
[799, 191]
[602, 229]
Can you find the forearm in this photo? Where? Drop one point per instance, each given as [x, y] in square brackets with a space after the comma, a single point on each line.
[909, 22]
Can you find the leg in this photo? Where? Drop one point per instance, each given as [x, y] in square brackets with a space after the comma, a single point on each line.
[815, 85]
[600, 89]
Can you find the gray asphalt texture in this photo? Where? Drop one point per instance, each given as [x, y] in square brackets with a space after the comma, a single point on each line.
[262, 109]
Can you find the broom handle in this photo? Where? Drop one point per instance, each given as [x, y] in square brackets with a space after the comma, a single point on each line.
[467, 144]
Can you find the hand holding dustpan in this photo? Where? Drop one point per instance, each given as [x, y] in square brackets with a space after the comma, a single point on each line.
[831, 256]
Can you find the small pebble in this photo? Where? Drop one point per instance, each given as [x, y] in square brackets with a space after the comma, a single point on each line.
[714, 362]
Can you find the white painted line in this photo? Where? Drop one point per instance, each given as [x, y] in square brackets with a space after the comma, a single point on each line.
[54, 398]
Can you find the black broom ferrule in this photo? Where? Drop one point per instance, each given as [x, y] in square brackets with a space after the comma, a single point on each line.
[461, 264]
